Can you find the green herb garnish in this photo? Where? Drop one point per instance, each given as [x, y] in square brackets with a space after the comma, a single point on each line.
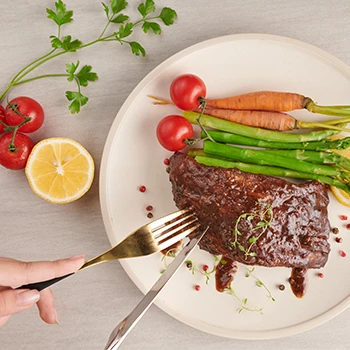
[264, 217]
[243, 302]
[63, 44]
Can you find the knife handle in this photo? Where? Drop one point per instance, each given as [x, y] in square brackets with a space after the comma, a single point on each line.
[123, 328]
[39, 286]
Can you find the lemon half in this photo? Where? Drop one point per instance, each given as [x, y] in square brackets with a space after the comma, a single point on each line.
[60, 170]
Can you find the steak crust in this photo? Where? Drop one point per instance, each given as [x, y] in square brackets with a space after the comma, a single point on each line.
[297, 235]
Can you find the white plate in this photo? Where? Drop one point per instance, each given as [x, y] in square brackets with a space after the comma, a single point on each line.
[132, 157]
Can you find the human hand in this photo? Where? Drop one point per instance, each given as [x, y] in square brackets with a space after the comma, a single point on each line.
[16, 273]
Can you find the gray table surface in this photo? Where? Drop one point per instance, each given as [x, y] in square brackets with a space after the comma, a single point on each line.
[91, 304]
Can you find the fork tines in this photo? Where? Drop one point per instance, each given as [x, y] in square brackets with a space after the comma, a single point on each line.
[174, 227]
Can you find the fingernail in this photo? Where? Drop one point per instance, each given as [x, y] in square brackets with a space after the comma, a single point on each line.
[27, 298]
[76, 257]
[55, 317]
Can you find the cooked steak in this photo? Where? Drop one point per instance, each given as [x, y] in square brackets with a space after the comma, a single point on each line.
[295, 227]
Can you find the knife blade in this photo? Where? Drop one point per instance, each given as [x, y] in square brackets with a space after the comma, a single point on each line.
[124, 327]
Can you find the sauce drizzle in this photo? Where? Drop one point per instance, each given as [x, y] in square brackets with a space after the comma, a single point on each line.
[298, 281]
[224, 274]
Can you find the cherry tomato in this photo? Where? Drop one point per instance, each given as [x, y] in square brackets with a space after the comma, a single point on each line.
[186, 90]
[15, 159]
[2, 118]
[172, 131]
[26, 107]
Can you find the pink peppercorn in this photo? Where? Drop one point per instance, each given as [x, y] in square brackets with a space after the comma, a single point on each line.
[348, 226]
[149, 208]
[342, 254]
[166, 161]
[321, 275]
[142, 188]
[339, 240]
[343, 217]
[205, 267]
[197, 288]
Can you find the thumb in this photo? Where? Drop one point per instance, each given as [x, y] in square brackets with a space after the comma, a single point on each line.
[12, 301]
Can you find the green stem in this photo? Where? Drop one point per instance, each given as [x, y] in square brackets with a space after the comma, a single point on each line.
[78, 83]
[325, 144]
[57, 55]
[41, 77]
[231, 291]
[14, 129]
[269, 171]
[39, 64]
[257, 133]
[105, 28]
[263, 157]
[312, 125]
[328, 110]
[5, 91]
[30, 64]
[17, 79]
[314, 157]
[260, 283]
[37, 60]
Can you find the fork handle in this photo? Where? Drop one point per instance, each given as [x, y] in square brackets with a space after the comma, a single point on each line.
[39, 286]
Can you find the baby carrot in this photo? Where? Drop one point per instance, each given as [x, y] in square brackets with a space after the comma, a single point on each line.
[262, 101]
[275, 101]
[271, 120]
[260, 119]
[256, 133]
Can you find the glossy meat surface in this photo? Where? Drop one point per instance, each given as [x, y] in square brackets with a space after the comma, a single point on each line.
[298, 232]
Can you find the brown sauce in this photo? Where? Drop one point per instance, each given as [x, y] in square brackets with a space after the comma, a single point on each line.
[297, 236]
[224, 274]
[298, 281]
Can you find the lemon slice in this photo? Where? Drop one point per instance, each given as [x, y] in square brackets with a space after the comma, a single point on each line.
[340, 195]
[60, 170]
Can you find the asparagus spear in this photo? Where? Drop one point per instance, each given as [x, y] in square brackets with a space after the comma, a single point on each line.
[309, 156]
[314, 157]
[256, 133]
[235, 139]
[268, 170]
[263, 157]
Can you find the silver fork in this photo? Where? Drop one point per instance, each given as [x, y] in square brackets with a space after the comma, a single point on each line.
[153, 237]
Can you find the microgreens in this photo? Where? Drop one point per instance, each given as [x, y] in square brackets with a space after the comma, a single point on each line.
[66, 44]
[171, 253]
[259, 283]
[191, 265]
[243, 302]
[262, 219]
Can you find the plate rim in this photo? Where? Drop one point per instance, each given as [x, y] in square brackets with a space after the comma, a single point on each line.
[112, 135]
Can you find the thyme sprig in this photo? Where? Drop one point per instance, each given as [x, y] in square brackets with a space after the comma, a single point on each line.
[243, 302]
[264, 217]
[190, 264]
[171, 253]
[194, 268]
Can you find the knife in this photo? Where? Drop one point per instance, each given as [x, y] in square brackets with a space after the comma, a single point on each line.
[124, 327]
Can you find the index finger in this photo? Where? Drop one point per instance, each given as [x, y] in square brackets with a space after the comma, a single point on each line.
[15, 273]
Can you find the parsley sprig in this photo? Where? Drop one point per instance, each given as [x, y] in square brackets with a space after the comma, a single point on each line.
[61, 45]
